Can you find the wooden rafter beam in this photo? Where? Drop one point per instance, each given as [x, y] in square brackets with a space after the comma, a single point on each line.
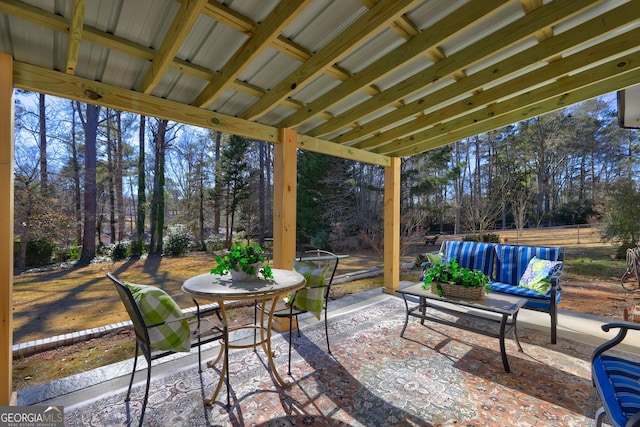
[379, 16]
[554, 70]
[414, 47]
[180, 27]
[610, 76]
[264, 35]
[495, 42]
[37, 79]
[75, 34]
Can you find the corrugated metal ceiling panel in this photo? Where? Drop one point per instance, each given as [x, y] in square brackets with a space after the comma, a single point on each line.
[302, 77]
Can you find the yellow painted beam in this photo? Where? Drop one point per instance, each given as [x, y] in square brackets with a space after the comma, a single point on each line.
[285, 175]
[6, 226]
[392, 227]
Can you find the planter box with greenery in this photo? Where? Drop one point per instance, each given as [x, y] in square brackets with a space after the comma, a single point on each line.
[243, 262]
[451, 280]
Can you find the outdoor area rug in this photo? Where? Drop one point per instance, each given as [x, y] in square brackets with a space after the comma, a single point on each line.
[435, 375]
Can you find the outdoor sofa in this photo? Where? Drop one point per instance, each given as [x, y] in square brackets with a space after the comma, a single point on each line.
[512, 269]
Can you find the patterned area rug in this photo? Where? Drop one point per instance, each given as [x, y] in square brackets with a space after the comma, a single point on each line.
[436, 375]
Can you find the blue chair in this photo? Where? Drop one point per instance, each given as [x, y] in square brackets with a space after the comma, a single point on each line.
[617, 381]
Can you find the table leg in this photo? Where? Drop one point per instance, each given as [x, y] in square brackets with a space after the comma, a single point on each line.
[224, 349]
[515, 331]
[503, 350]
[406, 320]
[276, 375]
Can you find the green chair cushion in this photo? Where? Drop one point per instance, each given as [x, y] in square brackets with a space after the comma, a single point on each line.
[157, 307]
[311, 296]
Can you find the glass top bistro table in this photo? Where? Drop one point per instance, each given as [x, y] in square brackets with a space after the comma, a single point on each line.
[223, 289]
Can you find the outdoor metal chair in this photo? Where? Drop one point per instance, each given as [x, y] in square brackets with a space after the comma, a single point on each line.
[201, 330]
[319, 268]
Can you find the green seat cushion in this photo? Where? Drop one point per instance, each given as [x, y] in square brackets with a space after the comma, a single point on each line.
[537, 276]
[157, 307]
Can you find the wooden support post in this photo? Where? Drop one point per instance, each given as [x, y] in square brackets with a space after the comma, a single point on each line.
[285, 175]
[392, 226]
[6, 226]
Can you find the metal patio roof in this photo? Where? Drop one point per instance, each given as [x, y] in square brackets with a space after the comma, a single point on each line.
[360, 79]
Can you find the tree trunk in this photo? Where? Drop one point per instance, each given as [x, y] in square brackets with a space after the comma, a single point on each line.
[217, 185]
[119, 178]
[44, 176]
[90, 188]
[111, 180]
[157, 199]
[201, 192]
[142, 198]
[261, 196]
[76, 176]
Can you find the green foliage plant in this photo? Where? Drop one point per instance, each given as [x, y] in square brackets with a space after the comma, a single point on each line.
[453, 274]
[243, 258]
[74, 251]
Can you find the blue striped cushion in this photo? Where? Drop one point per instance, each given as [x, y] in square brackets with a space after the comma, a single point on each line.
[535, 300]
[473, 255]
[512, 260]
[514, 290]
[618, 386]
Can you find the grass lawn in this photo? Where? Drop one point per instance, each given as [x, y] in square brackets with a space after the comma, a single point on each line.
[53, 303]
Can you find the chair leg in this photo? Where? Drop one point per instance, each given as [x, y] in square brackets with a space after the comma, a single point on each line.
[135, 363]
[290, 334]
[146, 392]
[326, 329]
[600, 417]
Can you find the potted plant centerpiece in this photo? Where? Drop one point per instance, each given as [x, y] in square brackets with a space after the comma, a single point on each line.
[244, 263]
[452, 280]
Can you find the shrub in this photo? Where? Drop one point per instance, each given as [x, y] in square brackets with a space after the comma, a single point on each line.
[121, 250]
[321, 239]
[74, 251]
[484, 238]
[39, 252]
[214, 243]
[177, 240]
[137, 248]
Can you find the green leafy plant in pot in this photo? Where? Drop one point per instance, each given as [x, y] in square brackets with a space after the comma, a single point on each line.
[451, 273]
[248, 259]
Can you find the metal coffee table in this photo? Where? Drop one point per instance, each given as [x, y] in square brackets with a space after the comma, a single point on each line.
[506, 308]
